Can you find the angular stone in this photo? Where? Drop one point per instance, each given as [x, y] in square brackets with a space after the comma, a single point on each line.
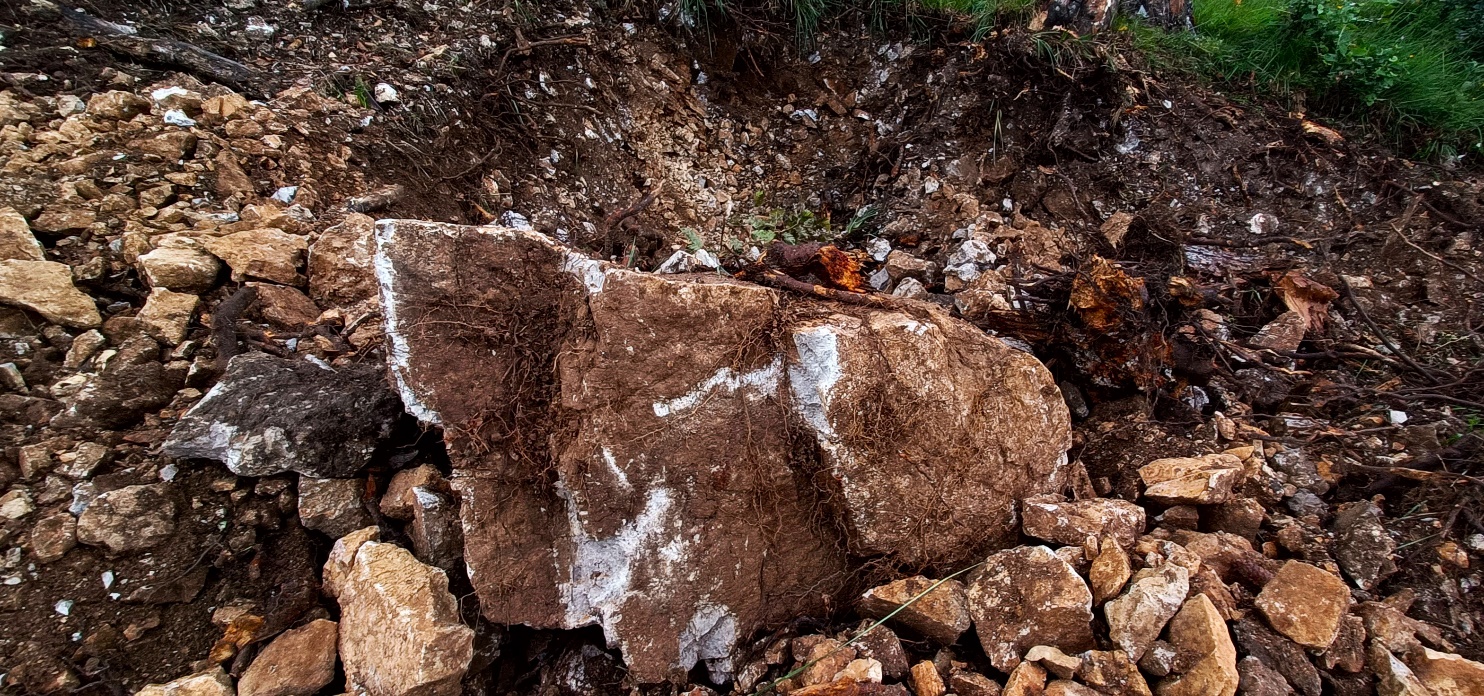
[1054, 661]
[299, 661]
[861, 670]
[1136, 618]
[343, 556]
[132, 518]
[62, 220]
[1283, 334]
[210, 683]
[1362, 545]
[1393, 677]
[610, 503]
[900, 264]
[964, 683]
[1446, 674]
[1305, 604]
[269, 415]
[53, 537]
[334, 506]
[1395, 631]
[132, 384]
[167, 315]
[436, 531]
[1027, 679]
[1279, 653]
[926, 681]
[117, 105]
[1222, 551]
[1109, 572]
[45, 287]
[1111, 672]
[1204, 480]
[285, 307]
[267, 253]
[882, 645]
[1240, 516]
[1013, 613]
[1198, 629]
[821, 657]
[16, 504]
[1053, 519]
[400, 632]
[940, 616]
[1063, 687]
[170, 146]
[341, 270]
[1258, 679]
[1347, 653]
[397, 503]
[184, 267]
[16, 240]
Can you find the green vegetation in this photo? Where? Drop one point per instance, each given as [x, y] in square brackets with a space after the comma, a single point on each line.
[1413, 66]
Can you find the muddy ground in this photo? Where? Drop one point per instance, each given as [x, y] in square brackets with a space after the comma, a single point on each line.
[569, 116]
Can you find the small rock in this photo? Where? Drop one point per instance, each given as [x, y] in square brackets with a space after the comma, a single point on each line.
[1109, 572]
[385, 94]
[167, 315]
[317, 422]
[1347, 653]
[16, 504]
[1362, 545]
[1063, 687]
[861, 670]
[1282, 335]
[900, 264]
[45, 287]
[926, 681]
[883, 646]
[1205, 480]
[436, 530]
[267, 253]
[298, 661]
[1393, 677]
[211, 683]
[1305, 604]
[184, 267]
[343, 556]
[1447, 674]
[964, 683]
[132, 518]
[1052, 518]
[1136, 618]
[16, 240]
[84, 346]
[1240, 516]
[823, 658]
[340, 266]
[398, 501]
[1281, 654]
[1259, 680]
[333, 506]
[940, 616]
[911, 289]
[1027, 679]
[1198, 629]
[285, 307]
[1395, 631]
[1111, 672]
[400, 630]
[1054, 661]
[53, 537]
[1180, 517]
[1012, 615]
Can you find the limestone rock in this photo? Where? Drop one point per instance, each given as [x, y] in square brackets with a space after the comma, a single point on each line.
[1305, 604]
[211, 683]
[45, 287]
[1393, 677]
[333, 506]
[343, 556]
[1062, 665]
[1198, 629]
[1064, 687]
[1447, 674]
[117, 105]
[1052, 518]
[1278, 653]
[940, 616]
[400, 633]
[1362, 545]
[284, 307]
[53, 537]
[883, 646]
[183, 266]
[1283, 334]
[132, 518]
[1258, 679]
[1013, 614]
[1111, 672]
[167, 315]
[1109, 572]
[900, 264]
[964, 683]
[1347, 653]
[1027, 679]
[1136, 618]
[610, 504]
[1204, 480]
[397, 503]
[16, 240]
[299, 661]
[821, 657]
[269, 415]
[268, 253]
[340, 266]
[926, 681]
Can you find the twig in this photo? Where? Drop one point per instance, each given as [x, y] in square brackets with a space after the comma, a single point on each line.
[1402, 236]
[1350, 295]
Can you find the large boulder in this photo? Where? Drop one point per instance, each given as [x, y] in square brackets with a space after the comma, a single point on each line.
[269, 415]
[625, 445]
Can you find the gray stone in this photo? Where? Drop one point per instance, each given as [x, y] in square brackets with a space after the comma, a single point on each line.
[1362, 545]
[334, 506]
[132, 518]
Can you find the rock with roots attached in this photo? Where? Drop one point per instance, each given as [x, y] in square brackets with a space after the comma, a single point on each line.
[625, 450]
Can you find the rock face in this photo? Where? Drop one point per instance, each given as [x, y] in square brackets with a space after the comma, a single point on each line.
[628, 461]
[1305, 603]
[45, 287]
[300, 661]
[400, 633]
[269, 415]
[1025, 597]
[132, 518]
[940, 616]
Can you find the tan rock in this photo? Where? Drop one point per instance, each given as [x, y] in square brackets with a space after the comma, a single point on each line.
[45, 287]
[1205, 480]
[117, 105]
[1013, 614]
[211, 683]
[1305, 604]
[53, 537]
[1395, 631]
[397, 502]
[822, 657]
[1062, 665]
[297, 662]
[862, 669]
[1111, 672]
[1198, 629]
[1109, 572]
[16, 240]
[285, 307]
[343, 556]
[1027, 679]
[167, 315]
[400, 631]
[340, 266]
[230, 179]
[332, 505]
[1136, 618]
[926, 681]
[1283, 334]
[184, 267]
[1054, 519]
[1447, 674]
[169, 146]
[941, 615]
[1064, 687]
[1393, 677]
[132, 518]
[964, 683]
[267, 253]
